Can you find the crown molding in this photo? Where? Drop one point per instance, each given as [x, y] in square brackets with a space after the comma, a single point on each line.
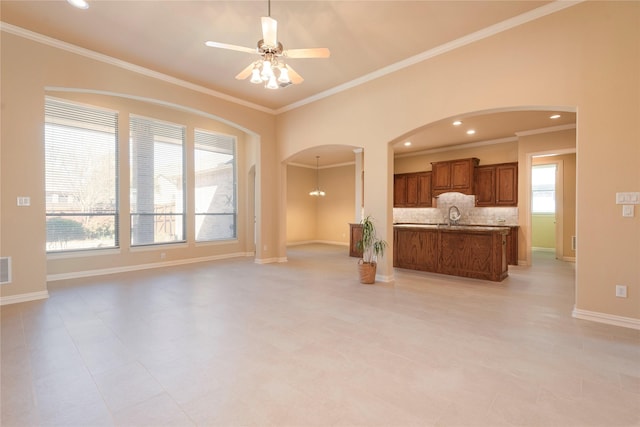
[546, 130]
[337, 165]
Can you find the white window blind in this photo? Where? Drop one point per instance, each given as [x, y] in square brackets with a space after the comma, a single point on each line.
[81, 164]
[157, 188]
[543, 185]
[215, 186]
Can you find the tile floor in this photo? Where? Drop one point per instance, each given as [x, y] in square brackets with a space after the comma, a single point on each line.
[302, 343]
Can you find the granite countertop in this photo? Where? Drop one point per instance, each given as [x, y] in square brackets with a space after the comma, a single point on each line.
[460, 227]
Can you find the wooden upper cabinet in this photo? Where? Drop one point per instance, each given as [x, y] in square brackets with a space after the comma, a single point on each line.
[453, 175]
[485, 185]
[399, 190]
[507, 184]
[411, 190]
[497, 185]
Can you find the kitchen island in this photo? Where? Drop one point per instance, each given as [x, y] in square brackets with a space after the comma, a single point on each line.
[460, 250]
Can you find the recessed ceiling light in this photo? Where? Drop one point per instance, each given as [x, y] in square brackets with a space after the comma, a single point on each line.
[457, 123]
[555, 116]
[407, 144]
[471, 132]
[80, 4]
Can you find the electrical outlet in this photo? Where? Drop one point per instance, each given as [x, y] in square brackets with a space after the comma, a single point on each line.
[163, 255]
[621, 291]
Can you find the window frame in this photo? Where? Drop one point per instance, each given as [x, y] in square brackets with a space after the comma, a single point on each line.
[196, 213]
[183, 181]
[68, 119]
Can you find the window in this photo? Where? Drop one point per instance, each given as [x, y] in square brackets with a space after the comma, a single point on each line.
[215, 186]
[543, 184]
[81, 182]
[157, 181]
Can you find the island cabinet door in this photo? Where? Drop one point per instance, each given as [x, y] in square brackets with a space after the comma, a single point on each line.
[468, 255]
[415, 249]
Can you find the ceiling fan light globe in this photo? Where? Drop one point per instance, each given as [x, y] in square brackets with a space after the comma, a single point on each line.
[80, 4]
[284, 76]
[272, 84]
[255, 76]
[267, 71]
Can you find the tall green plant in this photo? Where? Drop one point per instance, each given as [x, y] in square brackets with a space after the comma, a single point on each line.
[369, 244]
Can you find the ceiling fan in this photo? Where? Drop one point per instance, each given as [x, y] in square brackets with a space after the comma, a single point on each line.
[270, 69]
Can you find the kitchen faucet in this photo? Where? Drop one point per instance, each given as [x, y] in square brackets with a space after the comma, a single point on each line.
[454, 215]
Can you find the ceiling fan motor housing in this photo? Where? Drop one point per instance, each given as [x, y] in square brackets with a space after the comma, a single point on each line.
[265, 48]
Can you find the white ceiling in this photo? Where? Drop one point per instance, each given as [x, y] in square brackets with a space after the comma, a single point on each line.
[364, 37]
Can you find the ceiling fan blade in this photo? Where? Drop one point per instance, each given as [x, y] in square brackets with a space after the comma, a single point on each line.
[293, 76]
[318, 52]
[270, 31]
[231, 47]
[246, 72]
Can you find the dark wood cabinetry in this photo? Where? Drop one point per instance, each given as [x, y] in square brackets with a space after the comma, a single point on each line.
[416, 249]
[497, 185]
[355, 234]
[453, 175]
[412, 190]
[478, 252]
[512, 245]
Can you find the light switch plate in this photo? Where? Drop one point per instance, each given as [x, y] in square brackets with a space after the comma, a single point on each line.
[24, 201]
[629, 198]
[627, 211]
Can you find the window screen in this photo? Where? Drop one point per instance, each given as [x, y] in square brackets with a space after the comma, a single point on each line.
[81, 164]
[215, 186]
[157, 184]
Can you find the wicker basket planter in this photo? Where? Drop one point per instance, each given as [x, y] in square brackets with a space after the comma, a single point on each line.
[367, 272]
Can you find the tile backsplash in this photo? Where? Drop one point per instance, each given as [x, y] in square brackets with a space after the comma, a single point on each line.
[470, 214]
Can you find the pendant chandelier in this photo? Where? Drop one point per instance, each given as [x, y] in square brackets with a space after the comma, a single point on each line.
[317, 192]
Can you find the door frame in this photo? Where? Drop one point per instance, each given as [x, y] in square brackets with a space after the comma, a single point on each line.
[559, 199]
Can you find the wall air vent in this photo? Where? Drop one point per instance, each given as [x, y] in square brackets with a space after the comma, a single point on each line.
[5, 270]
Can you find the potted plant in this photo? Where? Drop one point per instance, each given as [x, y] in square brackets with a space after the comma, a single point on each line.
[371, 248]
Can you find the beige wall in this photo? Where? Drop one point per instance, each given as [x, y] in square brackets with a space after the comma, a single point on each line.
[335, 210]
[488, 154]
[573, 60]
[302, 209]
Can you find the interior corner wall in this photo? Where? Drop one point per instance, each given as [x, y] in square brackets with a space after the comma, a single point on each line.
[302, 214]
[320, 219]
[335, 210]
[585, 58]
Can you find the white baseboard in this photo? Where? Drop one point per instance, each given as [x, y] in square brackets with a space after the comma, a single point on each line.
[538, 249]
[310, 242]
[386, 279]
[270, 260]
[611, 319]
[31, 296]
[128, 268]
